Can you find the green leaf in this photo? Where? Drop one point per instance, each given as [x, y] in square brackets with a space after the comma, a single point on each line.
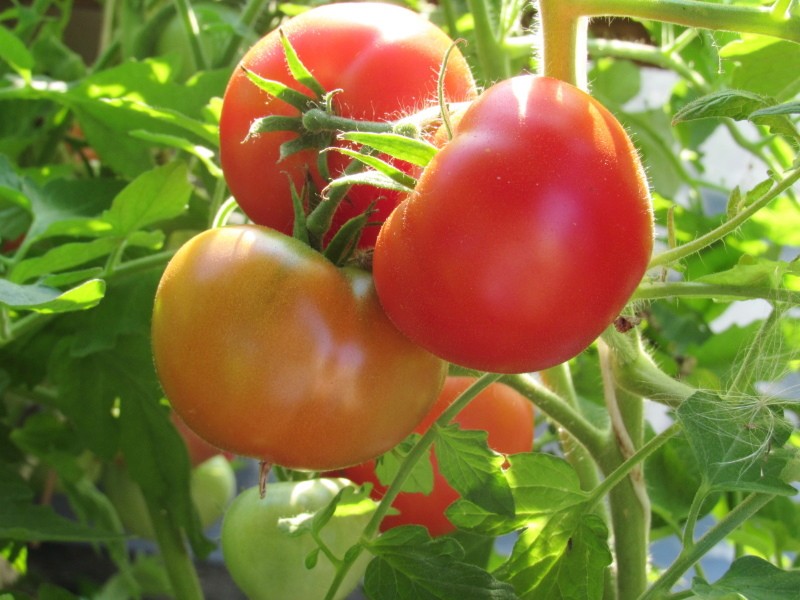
[409, 564]
[733, 104]
[673, 479]
[21, 519]
[69, 208]
[617, 81]
[763, 65]
[206, 132]
[473, 469]
[541, 484]
[417, 152]
[156, 195]
[787, 108]
[147, 436]
[562, 557]
[751, 578]
[421, 477]
[754, 272]
[48, 300]
[61, 258]
[733, 443]
[202, 153]
[14, 52]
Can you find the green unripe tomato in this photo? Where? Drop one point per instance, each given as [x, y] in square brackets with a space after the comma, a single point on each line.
[269, 564]
[212, 487]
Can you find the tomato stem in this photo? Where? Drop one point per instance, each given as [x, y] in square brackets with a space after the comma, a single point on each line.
[559, 380]
[564, 34]
[416, 453]
[722, 529]
[732, 224]
[636, 372]
[192, 32]
[559, 411]
[629, 502]
[180, 567]
[700, 14]
[491, 56]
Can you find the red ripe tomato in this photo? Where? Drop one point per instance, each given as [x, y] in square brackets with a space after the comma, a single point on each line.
[266, 349]
[507, 417]
[384, 59]
[526, 234]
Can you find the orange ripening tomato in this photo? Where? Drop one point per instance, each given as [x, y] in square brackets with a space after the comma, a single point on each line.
[507, 417]
[266, 349]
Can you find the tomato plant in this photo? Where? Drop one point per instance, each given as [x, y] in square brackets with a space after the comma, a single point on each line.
[269, 562]
[213, 487]
[505, 415]
[665, 463]
[541, 197]
[215, 21]
[266, 349]
[399, 54]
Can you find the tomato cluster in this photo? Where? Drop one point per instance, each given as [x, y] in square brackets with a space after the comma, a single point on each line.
[524, 237]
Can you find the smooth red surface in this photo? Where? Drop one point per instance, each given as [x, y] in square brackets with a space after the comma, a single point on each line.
[385, 59]
[526, 235]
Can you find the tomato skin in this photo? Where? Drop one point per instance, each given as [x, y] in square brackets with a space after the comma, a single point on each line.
[268, 564]
[526, 234]
[266, 349]
[199, 450]
[506, 416]
[385, 60]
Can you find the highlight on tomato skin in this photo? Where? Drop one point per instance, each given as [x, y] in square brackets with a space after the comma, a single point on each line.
[507, 417]
[526, 234]
[266, 349]
[399, 54]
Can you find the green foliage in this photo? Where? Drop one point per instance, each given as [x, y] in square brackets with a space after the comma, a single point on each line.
[109, 162]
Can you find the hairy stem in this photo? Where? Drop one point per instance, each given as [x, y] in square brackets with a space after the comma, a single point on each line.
[180, 567]
[628, 501]
[560, 411]
[729, 226]
[689, 556]
[559, 380]
[416, 453]
[696, 13]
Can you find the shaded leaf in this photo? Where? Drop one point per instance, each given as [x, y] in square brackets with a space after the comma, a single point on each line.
[43, 299]
[410, 564]
[733, 443]
[562, 556]
[473, 469]
[733, 104]
[751, 578]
